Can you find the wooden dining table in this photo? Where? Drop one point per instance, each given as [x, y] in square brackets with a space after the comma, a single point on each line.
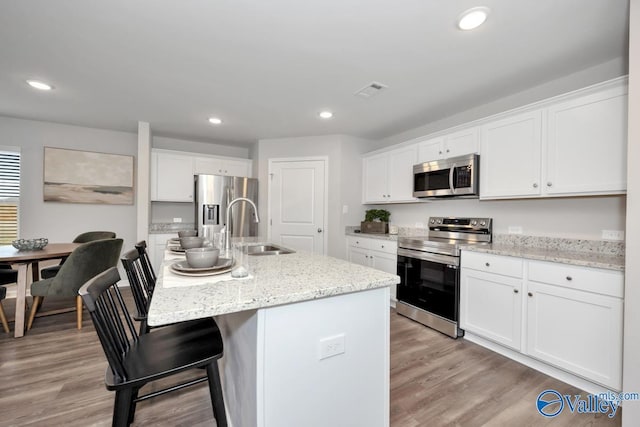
[22, 260]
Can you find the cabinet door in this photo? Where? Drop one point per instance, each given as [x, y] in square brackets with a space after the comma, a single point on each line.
[385, 262]
[172, 178]
[400, 173]
[491, 306]
[510, 160]
[460, 143]
[157, 245]
[237, 168]
[375, 178]
[429, 150]
[577, 331]
[208, 166]
[359, 256]
[587, 145]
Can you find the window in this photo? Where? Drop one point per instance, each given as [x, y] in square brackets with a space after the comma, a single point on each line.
[9, 193]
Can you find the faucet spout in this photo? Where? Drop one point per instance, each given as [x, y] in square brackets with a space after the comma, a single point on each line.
[227, 239]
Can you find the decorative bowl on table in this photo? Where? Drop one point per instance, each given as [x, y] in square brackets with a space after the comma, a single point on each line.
[30, 244]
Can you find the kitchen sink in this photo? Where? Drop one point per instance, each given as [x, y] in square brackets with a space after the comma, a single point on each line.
[268, 249]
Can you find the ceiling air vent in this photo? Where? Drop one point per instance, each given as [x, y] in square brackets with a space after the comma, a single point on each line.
[371, 90]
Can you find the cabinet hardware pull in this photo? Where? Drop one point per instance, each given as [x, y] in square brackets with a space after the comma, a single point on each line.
[487, 264]
[447, 150]
[569, 278]
[382, 246]
[439, 152]
[549, 184]
[515, 291]
[535, 185]
[530, 294]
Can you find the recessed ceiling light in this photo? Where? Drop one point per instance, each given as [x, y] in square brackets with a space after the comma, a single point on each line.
[325, 114]
[39, 85]
[215, 120]
[473, 18]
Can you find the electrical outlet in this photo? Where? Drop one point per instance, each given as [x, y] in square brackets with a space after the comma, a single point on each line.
[331, 346]
[515, 229]
[345, 209]
[419, 225]
[612, 235]
[177, 219]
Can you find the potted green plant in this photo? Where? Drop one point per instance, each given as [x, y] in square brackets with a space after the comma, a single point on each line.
[375, 221]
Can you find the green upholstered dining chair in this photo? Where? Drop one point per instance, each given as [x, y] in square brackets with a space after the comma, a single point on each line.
[89, 236]
[85, 262]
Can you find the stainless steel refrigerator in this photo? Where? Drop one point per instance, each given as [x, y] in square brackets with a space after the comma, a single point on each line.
[213, 194]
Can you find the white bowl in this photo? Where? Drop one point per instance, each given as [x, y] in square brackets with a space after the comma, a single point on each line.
[191, 242]
[187, 233]
[202, 257]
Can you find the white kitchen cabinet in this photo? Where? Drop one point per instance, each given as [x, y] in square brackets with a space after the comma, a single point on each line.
[171, 177]
[388, 176]
[375, 253]
[571, 316]
[156, 247]
[510, 156]
[576, 329]
[574, 146]
[587, 144]
[219, 166]
[491, 297]
[450, 145]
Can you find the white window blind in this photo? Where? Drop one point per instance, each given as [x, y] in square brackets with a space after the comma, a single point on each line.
[9, 195]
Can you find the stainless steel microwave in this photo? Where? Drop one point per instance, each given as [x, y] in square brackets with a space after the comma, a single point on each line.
[453, 177]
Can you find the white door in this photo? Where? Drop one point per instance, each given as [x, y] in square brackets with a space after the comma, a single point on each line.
[297, 204]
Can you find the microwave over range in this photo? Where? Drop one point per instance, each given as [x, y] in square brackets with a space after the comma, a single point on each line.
[453, 177]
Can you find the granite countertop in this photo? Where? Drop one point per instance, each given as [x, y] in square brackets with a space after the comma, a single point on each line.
[393, 237]
[274, 280]
[609, 261]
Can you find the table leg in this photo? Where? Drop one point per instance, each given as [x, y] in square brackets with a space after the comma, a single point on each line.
[21, 297]
[35, 271]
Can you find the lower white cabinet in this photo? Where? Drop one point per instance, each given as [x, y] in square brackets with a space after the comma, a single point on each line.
[491, 306]
[571, 316]
[156, 247]
[375, 253]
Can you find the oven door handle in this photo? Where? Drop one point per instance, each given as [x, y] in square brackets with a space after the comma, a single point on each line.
[440, 259]
[451, 171]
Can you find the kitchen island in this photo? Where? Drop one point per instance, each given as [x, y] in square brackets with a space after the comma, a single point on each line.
[306, 338]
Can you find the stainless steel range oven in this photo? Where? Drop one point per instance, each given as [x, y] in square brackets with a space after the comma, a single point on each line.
[429, 271]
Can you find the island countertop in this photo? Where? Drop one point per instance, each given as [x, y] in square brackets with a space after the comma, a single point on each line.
[274, 280]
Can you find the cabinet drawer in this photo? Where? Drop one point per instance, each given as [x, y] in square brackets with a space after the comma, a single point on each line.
[498, 264]
[388, 246]
[605, 282]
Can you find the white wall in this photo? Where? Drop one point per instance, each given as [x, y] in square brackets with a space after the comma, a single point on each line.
[61, 222]
[631, 361]
[216, 149]
[578, 218]
[344, 176]
[587, 77]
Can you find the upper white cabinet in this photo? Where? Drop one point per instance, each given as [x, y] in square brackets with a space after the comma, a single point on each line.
[510, 159]
[451, 145]
[172, 172]
[388, 176]
[171, 177]
[587, 144]
[229, 167]
[572, 147]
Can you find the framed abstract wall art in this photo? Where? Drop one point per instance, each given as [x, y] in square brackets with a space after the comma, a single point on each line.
[74, 176]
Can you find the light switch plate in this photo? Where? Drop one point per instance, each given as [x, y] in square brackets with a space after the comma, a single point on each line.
[177, 219]
[515, 229]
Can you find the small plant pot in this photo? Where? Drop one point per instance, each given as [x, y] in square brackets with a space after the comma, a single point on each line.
[374, 227]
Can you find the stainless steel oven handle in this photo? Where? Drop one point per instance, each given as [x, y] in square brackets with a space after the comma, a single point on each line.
[451, 171]
[426, 256]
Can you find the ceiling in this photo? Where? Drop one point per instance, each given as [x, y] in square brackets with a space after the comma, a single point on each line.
[266, 68]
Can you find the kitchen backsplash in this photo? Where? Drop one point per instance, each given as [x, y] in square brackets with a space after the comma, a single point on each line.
[169, 227]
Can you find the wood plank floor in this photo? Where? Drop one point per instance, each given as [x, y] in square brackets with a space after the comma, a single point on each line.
[54, 376]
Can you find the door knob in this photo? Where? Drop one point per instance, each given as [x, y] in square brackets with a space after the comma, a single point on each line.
[319, 230]
[515, 291]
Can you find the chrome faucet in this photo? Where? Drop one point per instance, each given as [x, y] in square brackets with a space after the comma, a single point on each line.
[227, 237]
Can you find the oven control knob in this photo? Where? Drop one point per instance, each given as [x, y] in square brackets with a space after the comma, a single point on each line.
[482, 223]
[433, 221]
[439, 221]
[474, 222]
